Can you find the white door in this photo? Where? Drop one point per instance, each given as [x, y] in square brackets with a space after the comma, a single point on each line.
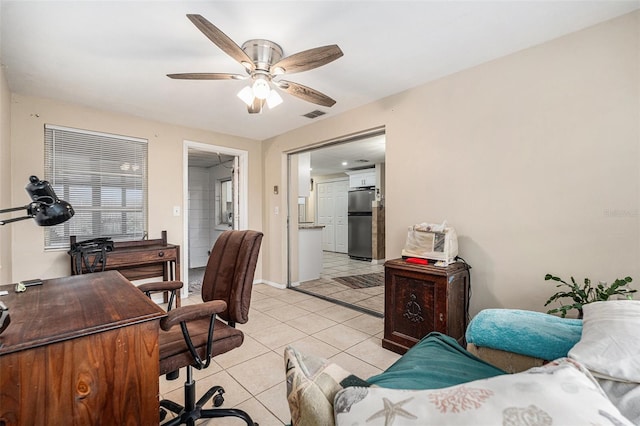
[332, 213]
[325, 215]
[341, 192]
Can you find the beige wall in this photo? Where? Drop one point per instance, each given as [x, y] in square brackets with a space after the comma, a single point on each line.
[533, 158]
[5, 177]
[28, 117]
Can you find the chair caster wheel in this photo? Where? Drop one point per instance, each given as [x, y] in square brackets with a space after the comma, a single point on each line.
[218, 400]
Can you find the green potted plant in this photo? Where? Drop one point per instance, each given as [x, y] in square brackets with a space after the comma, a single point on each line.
[586, 293]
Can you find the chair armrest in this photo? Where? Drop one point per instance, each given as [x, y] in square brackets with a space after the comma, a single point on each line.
[161, 286]
[192, 312]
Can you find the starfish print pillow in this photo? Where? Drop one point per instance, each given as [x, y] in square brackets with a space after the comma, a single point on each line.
[562, 392]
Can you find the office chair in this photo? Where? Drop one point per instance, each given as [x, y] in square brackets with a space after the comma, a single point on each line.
[226, 293]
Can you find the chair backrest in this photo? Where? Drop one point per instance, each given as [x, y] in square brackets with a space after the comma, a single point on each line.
[229, 273]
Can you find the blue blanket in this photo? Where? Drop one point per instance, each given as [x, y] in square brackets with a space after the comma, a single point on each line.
[529, 333]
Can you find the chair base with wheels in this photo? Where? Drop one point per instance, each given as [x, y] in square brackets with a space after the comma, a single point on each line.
[193, 410]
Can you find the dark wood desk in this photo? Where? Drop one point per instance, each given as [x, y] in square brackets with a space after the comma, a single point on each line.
[138, 260]
[80, 350]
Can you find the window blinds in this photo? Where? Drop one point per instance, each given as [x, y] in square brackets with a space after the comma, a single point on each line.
[104, 178]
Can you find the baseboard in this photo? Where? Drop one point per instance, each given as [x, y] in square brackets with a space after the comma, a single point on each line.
[270, 283]
[377, 261]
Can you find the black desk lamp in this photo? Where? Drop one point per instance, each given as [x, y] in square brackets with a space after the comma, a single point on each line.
[46, 208]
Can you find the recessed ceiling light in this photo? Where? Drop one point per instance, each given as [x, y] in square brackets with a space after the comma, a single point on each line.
[344, 163]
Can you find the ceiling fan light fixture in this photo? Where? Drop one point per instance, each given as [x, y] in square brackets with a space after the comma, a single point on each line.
[274, 99]
[246, 95]
[263, 60]
[261, 88]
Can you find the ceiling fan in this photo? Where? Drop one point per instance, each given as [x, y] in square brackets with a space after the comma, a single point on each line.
[264, 64]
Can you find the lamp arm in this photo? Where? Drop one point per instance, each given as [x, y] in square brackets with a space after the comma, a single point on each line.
[29, 209]
[15, 219]
[15, 209]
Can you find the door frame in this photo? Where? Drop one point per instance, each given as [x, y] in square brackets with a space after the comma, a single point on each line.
[290, 234]
[241, 195]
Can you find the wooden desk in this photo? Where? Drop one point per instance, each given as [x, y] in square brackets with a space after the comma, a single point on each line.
[138, 260]
[80, 350]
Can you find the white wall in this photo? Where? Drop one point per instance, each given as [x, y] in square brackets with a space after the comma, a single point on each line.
[532, 157]
[5, 178]
[166, 143]
[200, 216]
[204, 211]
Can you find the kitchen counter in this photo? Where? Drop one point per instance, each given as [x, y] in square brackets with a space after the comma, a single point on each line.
[309, 251]
[309, 225]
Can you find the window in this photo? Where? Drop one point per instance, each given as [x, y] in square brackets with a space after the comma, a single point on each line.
[104, 178]
[226, 202]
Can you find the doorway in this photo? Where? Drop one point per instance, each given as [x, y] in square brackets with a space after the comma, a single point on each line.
[323, 209]
[214, 201]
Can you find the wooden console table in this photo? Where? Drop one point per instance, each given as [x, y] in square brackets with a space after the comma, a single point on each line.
[80, 350]
[419, 299]
[142, 259]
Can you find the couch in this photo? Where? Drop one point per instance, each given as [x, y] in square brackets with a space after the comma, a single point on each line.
[596, 380]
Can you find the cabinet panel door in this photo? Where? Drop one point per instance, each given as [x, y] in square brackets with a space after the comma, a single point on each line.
[369, 179]
[415, 314]
[341, 192]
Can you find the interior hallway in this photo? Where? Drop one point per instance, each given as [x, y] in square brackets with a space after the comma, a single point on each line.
[253, 375]
[370, 300]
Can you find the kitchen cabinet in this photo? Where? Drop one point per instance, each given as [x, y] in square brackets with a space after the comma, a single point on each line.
[420, 299]
[362, 178]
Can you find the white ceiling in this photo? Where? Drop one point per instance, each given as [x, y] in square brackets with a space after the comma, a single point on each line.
[114, 55]
[358, 154]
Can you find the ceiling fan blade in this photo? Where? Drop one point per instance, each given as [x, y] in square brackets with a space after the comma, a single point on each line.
[206, 76]
[308, 59]
[305, 93]
[256, 107]
[221, 40]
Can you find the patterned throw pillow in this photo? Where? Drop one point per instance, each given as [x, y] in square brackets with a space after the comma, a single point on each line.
[312, 383]
[562, 392]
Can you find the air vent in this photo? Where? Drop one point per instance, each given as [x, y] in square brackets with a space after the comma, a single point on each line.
[361, 161]
[314, 114]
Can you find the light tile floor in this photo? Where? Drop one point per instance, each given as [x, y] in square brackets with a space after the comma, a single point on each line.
[339, 265]
[253, 375]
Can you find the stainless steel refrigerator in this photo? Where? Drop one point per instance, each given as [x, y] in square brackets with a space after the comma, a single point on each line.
[360, 223]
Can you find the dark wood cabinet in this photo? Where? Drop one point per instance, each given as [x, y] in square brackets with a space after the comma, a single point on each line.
[420, 299]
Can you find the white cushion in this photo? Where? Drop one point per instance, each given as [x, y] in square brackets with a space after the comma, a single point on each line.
[559, 393]
[610, 342]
